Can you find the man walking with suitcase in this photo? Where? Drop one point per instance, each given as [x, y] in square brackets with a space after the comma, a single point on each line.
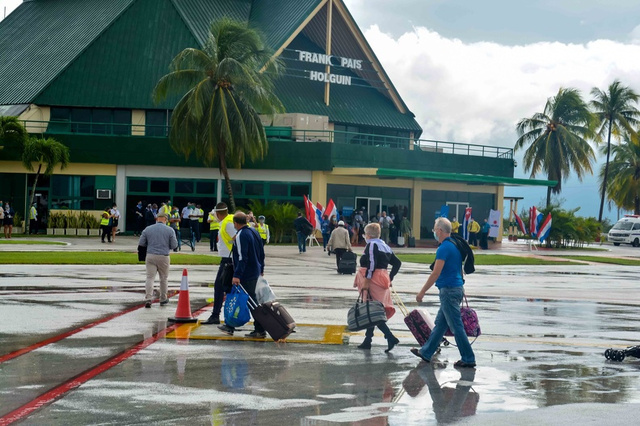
[339, 242]
[248, 261]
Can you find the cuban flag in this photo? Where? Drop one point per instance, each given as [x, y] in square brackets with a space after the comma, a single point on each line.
[545, 229]
[535, 217]
[310, 211]
[331, 210]
[521, 224]
[465, 223]
[319, 213]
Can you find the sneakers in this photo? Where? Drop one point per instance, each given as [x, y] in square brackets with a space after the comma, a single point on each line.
[462, 364]
[212, 320]
[257, 335]
[146, 305]
[226, 329]
[164, 302]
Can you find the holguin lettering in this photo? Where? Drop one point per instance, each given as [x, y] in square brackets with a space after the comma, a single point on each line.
[331, 78]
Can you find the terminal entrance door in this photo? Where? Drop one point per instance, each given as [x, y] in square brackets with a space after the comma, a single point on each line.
[457, 210]
[371, 206]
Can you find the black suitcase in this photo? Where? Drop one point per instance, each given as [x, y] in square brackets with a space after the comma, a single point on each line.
[412, 241]
[275, 319]
[347, 263]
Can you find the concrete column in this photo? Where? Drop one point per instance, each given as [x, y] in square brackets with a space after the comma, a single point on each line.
[500, 206]
[121, 195]
[319, 187]
[416, 208]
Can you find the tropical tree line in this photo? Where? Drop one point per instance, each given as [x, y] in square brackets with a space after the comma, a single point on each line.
[558, 142]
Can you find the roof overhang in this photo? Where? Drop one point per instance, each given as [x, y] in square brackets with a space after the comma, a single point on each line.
[467, 178]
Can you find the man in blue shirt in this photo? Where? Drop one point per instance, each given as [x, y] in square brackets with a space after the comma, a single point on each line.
[447, 276]
[248, 261]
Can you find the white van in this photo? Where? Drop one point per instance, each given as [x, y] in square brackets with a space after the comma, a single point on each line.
[626, 231]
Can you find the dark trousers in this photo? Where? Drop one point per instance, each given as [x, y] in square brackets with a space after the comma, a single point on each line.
[302, 242]
[339, 252]
[106, 231]
[473, 238]
[484, 244]
[213, 239]
[197, 228]
[250, 287]
[218, 288]
[33, 226]
[383, 327]
[139, 226]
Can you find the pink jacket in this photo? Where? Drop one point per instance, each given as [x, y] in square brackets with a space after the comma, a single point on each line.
[379, 288]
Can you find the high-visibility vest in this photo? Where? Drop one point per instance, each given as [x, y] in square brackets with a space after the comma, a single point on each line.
[201, 213]
[105, 220]
[224, 236]
[33, 213]
[474, 226]
[263, 229]
[214, 224]
[175, 215]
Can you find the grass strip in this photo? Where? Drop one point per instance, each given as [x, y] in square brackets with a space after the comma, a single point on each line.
[96, 258]
[32, 242]
[610, 260]
[488, 259]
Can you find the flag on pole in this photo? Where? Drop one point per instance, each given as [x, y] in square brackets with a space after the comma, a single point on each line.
[319, 213]
[545, 229]
[521, 224]
[535, 217]
[310, 211]
[465, 223]
[331, 210]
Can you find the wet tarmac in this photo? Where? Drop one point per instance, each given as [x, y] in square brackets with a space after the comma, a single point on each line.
[91, 354]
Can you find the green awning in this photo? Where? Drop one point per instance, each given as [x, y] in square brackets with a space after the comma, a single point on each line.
[464, 177]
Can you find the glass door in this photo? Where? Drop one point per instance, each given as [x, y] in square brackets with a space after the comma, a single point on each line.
[369, 206]
[457, 210]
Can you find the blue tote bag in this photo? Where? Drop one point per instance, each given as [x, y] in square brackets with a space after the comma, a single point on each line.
[236, 309]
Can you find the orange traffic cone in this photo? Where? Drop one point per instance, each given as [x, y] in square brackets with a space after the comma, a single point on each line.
[183, 312]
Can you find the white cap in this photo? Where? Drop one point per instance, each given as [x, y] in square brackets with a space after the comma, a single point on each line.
[341, 223]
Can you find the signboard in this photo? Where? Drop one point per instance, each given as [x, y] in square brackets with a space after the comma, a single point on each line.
[330, 60]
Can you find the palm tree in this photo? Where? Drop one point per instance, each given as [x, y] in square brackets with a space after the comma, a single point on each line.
[616, 114]
[624, 176]
[12, 132]
[557, 139]
[223, 86]
[46, 153]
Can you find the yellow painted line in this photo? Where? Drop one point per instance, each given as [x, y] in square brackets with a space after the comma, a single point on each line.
[333, 335]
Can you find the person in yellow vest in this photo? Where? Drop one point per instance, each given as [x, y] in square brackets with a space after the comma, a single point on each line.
[263, 230]
[174, 222]
[200, 214]
[474, 228]
[214, 227]
[33, 220]
[105, 224]
[455, 225]
[165, 208]
[226, 234]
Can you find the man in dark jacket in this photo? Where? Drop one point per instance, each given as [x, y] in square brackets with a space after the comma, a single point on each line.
[248, 261]
[303, 230]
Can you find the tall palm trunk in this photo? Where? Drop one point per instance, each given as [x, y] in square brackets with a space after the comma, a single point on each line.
[27, 220]
[606, 172]
[636, 205]
[227, 180]
[548, 196]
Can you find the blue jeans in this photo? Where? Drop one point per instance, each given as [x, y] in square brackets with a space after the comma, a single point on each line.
[325, 239]
[302, 246]
[449, 317]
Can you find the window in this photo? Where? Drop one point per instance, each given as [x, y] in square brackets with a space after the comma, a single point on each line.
[278, 189]
[253, 188]
[184, 187]
[87, 185]
[90, 120]
[299, 190]
[206, 188]
[101, 119]
[79, 116]
[159, 186]
[122, 117]
[138, 185]
[636, 226]
[156, 122]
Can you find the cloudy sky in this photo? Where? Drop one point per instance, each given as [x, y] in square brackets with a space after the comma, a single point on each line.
[470, 70]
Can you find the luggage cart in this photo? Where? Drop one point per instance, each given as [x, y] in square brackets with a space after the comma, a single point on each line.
[188, 237]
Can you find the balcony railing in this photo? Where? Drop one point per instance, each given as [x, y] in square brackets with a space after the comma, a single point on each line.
[279, 134]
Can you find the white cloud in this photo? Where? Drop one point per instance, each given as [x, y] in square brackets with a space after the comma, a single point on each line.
[476, 92]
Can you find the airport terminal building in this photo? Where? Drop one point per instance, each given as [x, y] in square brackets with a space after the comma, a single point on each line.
[82, 71]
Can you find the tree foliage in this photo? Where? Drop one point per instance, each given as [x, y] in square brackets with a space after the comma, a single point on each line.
[279, 217]
[556, 139]
[223, 88]
[12, 133]
[623, 187]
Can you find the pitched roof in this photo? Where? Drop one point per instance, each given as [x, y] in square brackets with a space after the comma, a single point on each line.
[110, 54]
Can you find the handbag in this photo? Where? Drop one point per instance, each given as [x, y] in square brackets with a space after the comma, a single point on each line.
[469, 321]
[236, 308]
[365, 313]
[142, 253]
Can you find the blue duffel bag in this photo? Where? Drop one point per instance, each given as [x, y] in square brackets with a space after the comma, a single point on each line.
[236, 309]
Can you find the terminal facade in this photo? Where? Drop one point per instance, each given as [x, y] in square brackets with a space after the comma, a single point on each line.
[85, 77]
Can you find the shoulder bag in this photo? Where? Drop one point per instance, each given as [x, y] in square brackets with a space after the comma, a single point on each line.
[365, 313]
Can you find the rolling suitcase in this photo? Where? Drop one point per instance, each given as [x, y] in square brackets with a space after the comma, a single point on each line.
[412, 241]
[419, 322]
[347, 263]
[273, 317]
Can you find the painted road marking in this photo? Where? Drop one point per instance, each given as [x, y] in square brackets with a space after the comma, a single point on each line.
[66, 334]
[305, 333]
[57, 392]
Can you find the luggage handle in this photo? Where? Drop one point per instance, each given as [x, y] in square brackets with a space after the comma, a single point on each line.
[401, 305]
[252, 303]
